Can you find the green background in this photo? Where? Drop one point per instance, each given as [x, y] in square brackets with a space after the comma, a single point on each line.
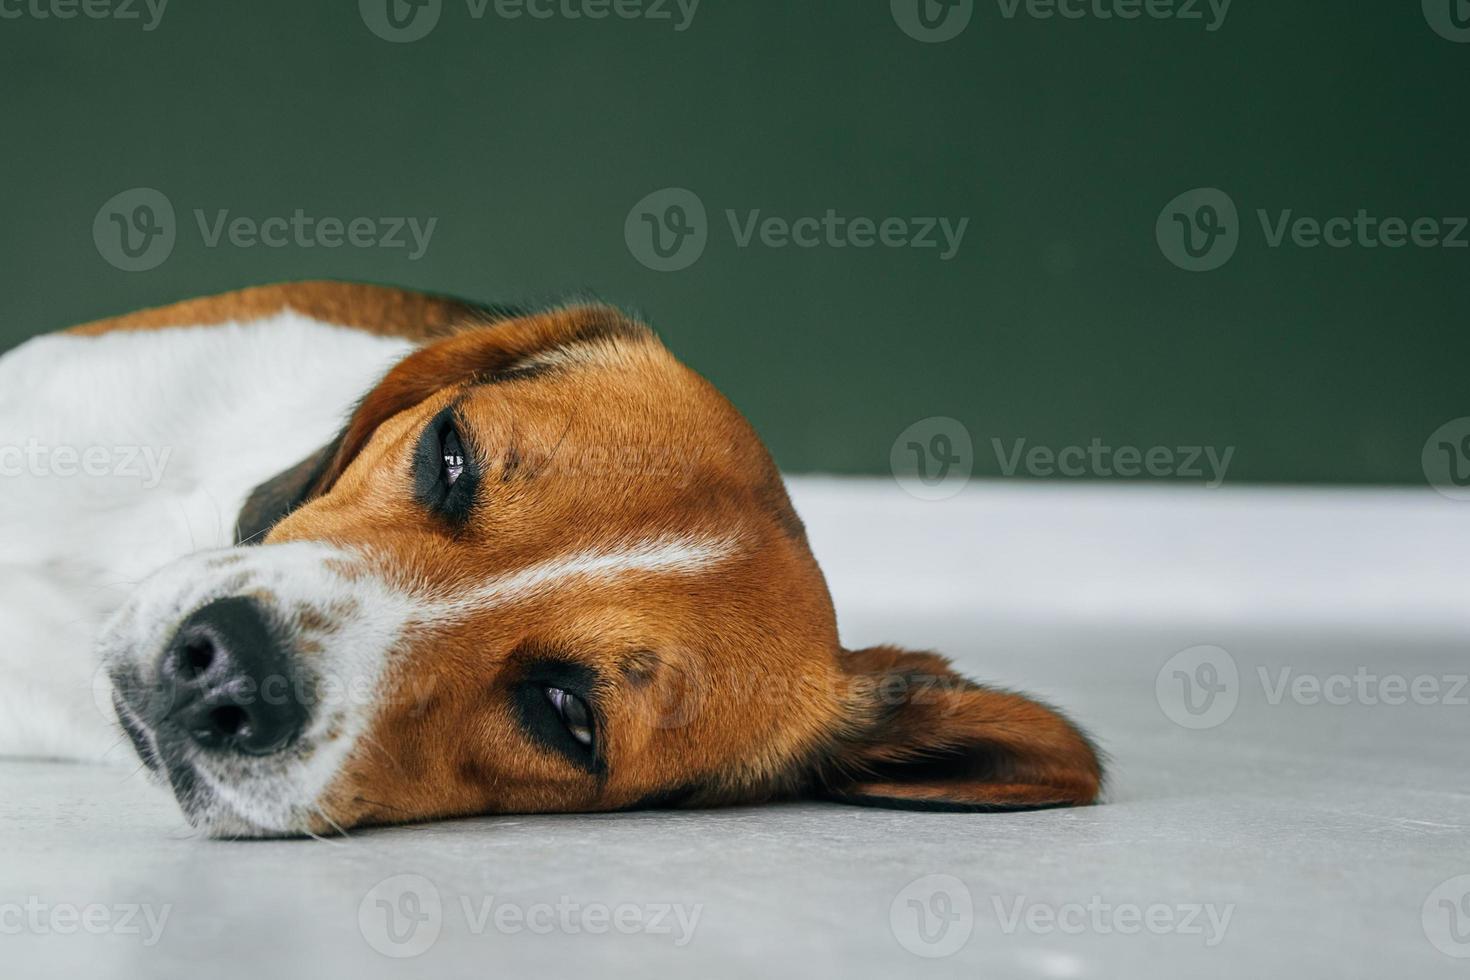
[1059, 321]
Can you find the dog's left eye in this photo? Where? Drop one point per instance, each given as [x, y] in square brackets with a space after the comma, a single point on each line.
[445, 473]
[573, 712]
[452, 451]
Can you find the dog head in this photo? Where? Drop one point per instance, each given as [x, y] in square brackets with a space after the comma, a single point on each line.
[545, 567]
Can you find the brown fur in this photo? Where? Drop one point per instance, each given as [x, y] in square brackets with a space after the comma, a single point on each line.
[374, 309]
[722, 686]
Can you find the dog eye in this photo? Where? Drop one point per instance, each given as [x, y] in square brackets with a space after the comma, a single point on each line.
[573, 712]
[452, 452]
[445, 475]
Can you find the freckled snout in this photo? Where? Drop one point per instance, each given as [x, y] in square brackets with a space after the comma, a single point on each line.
[228, 680]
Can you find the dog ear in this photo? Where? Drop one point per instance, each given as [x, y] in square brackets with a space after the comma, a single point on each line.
[920, 736]
[280, 495]
[480, 352]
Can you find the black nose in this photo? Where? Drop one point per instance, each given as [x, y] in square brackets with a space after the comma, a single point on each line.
[229, 682]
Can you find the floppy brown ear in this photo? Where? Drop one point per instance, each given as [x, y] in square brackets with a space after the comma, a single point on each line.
[480, 351]
[920, 736]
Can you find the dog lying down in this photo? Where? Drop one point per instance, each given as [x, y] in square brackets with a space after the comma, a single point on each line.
[350, 555]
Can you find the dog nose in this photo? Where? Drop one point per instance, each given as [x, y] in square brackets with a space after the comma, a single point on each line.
[229, 682]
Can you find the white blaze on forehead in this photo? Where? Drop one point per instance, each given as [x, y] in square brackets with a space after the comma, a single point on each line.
[567, 355]
[668, 556]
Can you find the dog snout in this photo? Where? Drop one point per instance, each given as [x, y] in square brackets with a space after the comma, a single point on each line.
[229, 683]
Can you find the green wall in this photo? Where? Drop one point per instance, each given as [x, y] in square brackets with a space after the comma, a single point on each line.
[1059, 320]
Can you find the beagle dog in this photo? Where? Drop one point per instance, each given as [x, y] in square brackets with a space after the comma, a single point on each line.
[335, 555]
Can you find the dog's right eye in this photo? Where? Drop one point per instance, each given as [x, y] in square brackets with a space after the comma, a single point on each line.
[557, 707]
[574, 714]
[445, 472]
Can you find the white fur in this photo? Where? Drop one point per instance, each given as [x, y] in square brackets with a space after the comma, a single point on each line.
[668, 556]
[572, 355]
[217, 410]
[277, 794]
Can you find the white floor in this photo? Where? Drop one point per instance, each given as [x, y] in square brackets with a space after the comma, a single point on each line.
[1312, 819]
